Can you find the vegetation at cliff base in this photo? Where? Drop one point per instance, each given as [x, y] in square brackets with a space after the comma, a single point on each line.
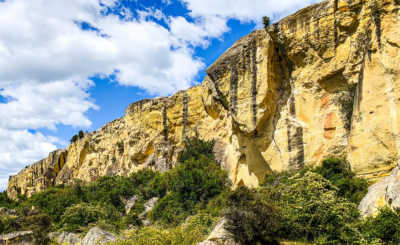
[315, 205]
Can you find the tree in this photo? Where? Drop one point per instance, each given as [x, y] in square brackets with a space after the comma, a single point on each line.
[74, 138]
[81, 134]
[266, 21]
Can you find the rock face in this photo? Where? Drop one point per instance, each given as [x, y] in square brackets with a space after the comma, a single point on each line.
[98, 236]
[17, 238]
[268, 102]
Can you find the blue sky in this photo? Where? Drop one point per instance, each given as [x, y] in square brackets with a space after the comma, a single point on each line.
[77, 64]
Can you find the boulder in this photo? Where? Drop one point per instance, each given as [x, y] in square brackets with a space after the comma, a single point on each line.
[19, 237]
[4, 211]
[98, 236]
[69, 238]
[53, 235]
[148, 206]
[130, 203]
[381, 194]
[219, 236]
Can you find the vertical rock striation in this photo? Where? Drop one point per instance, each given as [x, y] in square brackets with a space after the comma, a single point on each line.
[268, 102]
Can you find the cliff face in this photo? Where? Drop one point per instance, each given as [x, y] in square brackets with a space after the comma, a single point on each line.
[268, 102]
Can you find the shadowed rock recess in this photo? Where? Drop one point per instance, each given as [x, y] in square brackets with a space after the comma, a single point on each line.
[268, 102]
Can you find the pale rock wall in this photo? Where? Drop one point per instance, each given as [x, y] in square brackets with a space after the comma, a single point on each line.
[268, 102]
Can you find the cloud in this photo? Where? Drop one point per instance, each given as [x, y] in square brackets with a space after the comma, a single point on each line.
[49, 49]
[42, 43]
[39, 105]
[245, 11]
[20, 148]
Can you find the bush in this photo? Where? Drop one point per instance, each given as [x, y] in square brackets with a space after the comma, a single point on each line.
[252, 217]
[196, 148]
[312, 207]
[350, 187]
[79, 216]
[74, 138]
[195, 181]
[109, 190]
[345, 101]
[194, 231]
[54, 201]
[385, 227]
[8, 224]
[7, 202]
[40, 225]
[120, 146]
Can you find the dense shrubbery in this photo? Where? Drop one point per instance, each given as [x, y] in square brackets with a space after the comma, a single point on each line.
[7, 202]
[196, 180]
[314, 205]
[385, 227]
[194, 231]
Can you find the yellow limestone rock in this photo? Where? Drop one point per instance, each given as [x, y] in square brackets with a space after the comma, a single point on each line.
[268, 102]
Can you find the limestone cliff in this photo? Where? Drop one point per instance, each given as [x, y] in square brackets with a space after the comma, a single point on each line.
[268, 102]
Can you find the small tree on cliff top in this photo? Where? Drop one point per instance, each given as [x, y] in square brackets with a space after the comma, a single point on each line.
[266, 21]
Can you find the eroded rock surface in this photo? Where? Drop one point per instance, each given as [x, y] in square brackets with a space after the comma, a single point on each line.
[98, 236]
[268, 102]
[17, 238]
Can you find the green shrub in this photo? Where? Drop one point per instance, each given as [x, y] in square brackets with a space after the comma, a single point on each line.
[54, 201]
[7, 202]
[79, 216]
[252, 217]
[81, 134]
[8, 224]
[350, 187]
[195, 230]
[312, 207]
[193, 182]
[385, 227]
[74, 138]
[40, 224]
[196, 148]
[110, 189]
[120, 146]
[345, 100]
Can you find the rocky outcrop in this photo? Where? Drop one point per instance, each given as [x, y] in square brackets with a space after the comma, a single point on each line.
[17, 238]
[130, 203]
[98, 236]
[68, 238]
[385, 193]
[268, 101]
[5, 212]
[219, 236]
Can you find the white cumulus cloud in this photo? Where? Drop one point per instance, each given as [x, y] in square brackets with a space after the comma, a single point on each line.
[46, 59]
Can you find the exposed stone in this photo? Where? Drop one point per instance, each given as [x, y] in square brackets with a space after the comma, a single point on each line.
[382, 194]
[268, 103]
[17, 238]
[219, 236]
[130, 203]
[69, 238]
[148, 206]
[98, 236]
[4, 211]
[53, 235]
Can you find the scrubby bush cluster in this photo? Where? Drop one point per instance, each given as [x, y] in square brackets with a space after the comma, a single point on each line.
[314, 205]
